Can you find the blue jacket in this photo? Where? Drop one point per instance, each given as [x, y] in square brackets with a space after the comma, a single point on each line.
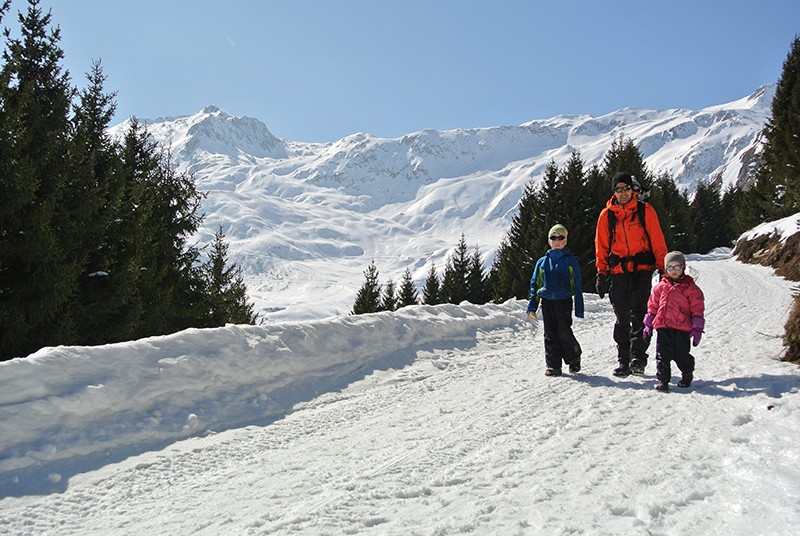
[557, 276]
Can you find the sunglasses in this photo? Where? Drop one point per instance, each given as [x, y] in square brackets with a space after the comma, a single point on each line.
[674, 267]
[558, 237]
[620, 189]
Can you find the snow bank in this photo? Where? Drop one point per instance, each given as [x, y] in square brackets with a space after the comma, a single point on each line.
[783, 228]
[69, 402]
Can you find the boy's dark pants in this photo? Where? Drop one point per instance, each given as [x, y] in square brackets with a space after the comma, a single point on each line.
[629, 294]
[559, 341]
[673, 345]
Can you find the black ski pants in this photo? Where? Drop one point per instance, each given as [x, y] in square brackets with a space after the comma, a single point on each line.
[629, 293]
[559, 341]
[673, 345]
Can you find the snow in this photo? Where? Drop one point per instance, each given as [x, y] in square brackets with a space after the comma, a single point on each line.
[428, 421]
[304, 220]
[783, 228]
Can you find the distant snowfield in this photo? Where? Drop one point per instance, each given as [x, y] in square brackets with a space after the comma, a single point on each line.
[304, 220]
[432, 421]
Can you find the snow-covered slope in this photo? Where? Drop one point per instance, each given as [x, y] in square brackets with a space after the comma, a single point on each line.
[305, 219]
[430, 421]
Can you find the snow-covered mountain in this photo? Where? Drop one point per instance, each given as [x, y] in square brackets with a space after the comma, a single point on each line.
[305, 219]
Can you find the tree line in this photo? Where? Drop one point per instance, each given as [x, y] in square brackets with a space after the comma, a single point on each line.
[94, 233]
[464, 279]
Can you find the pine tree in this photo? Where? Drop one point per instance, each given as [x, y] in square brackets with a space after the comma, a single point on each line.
[226, 292]
[408, 293]
[599, 191]
[478, 291]
[755, 204]
[672, 207]
[577, 214]
[161, 208]
[707, 215]
[624, 155]
[368, 297]
[511, 272]
[780, 159]
[552, 202]
[431, 293]
[454, 281]
[388, 296]
[94, 195]
[729, 200]
[37, 277]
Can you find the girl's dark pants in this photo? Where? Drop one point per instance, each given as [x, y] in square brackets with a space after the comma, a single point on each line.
[629, 293]
[673, 345]
[559, 341]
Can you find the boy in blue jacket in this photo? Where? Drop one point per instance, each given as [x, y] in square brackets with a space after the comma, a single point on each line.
[556, 279]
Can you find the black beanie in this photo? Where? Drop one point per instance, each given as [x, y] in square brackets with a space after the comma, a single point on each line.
[621, 176]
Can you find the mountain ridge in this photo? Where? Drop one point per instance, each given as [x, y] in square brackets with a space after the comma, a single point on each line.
[303, 216]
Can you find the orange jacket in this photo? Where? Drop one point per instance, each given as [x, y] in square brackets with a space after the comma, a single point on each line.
[630, 238]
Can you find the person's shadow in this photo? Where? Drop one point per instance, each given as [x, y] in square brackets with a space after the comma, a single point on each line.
[772, 385]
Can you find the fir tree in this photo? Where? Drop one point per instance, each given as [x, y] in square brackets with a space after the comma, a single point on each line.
[780, 159]
[389, 296]
[729, 199]
[755, 204]
[577, 214]
[599, 191]
[431, 293]
[408, 293]
[226, 292]
[552, 201]
[707, 216]
[511, 272]
[624, 155]
[37, 276]
[161, 208]
[478, 291]
[672, 207]
[368, 297]
[94, 195]
[454, 281]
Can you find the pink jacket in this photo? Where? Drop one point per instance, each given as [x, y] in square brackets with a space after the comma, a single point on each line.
[674, 304]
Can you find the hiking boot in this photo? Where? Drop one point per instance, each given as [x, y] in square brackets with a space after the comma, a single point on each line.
[575, 366]
[685, 381]
[552, 372]
[637, 367]
[662, 387]
[622, 370]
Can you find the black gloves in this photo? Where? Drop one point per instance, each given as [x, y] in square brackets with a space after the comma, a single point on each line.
[602, 285]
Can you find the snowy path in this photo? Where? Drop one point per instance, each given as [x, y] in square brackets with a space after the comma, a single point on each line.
[476, 440]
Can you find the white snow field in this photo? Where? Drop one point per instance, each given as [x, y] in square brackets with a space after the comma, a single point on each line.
[429, 421]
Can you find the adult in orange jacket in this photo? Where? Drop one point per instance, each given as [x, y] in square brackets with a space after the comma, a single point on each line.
[626, 254]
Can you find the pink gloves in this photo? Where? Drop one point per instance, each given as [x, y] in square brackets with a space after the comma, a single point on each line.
[698, 323]
[648, 325]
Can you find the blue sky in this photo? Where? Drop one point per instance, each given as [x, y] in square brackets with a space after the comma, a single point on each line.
[319, 70]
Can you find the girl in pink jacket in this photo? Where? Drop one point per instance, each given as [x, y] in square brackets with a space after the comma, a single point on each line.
[675, 310]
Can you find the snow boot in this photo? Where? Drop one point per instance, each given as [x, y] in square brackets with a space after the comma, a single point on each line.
[686, 380]
[637, 366]
[662, 387]
[552, 372]
[575, 366]
[622, 370]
